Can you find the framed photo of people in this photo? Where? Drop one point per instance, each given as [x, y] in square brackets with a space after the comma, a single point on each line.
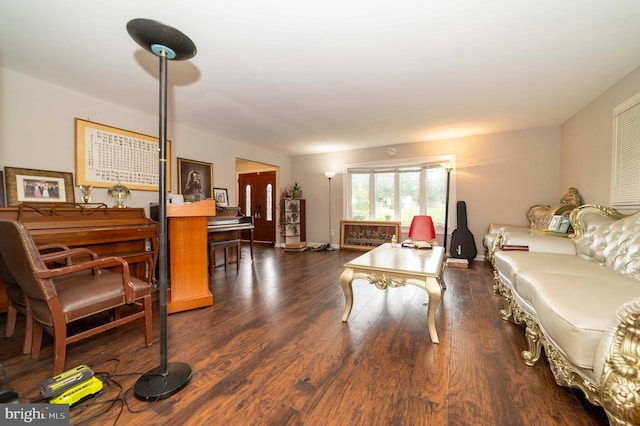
[38, 186]
[106, 156]
[195, 180]
[365, 235]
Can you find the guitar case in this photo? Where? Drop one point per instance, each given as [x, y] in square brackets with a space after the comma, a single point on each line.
[463, 245]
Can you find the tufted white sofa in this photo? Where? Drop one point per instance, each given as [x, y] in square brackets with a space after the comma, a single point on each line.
[579, 299]
[539, 217]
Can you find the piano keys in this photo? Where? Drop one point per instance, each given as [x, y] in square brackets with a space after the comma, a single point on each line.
[225, 229]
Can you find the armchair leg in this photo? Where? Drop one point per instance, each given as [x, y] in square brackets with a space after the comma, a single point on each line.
[28, 329]
[12, 314]
[36, 342]
[59, 349]
[28, 334]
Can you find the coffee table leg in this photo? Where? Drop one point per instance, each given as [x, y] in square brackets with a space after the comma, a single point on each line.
[345, 281]
[435, 294]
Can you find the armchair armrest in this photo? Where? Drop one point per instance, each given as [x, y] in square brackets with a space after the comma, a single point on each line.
[52, 246]
[535, 242]
[616, 364]
[68, 254]
[96, 265]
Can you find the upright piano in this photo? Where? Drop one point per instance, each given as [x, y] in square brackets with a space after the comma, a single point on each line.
[225, 228]
[127, 233]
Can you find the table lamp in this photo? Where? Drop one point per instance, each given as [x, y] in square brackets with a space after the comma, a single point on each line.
[422, 228]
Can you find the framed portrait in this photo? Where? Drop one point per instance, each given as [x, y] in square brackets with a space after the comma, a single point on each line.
[107, 155]
[195, 180]
[3, 202]
[38, 186]
[221, 196]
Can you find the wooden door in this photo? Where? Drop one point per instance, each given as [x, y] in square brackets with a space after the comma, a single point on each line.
[257, 197]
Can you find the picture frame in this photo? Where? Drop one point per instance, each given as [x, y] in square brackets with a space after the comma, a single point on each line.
[221, 195]
[106, 156]
[37, 186]
[555, 222]
[195, 179]
[3, 201]
[565, 225]
[366, 235]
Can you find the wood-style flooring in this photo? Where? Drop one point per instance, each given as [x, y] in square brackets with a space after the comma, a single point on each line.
[272, 350]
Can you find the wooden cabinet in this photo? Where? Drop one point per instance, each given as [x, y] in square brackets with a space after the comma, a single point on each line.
[188, 250]
[295, 234]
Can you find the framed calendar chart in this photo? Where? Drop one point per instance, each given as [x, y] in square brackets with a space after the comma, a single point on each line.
[107, 155]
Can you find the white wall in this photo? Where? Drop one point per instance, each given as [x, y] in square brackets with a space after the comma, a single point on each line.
[499, 176]
[37, 132]
[587, 142]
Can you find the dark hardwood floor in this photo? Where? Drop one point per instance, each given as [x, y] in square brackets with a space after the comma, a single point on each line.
[272, 350]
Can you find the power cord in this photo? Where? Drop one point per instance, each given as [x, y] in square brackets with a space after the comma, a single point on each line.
[8, 395]
[81, 413]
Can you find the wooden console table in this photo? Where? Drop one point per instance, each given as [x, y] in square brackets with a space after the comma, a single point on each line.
[188, 251]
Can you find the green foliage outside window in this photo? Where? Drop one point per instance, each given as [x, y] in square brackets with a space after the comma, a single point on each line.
[412, 183]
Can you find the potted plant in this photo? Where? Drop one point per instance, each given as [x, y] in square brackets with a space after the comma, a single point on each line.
[297, 191]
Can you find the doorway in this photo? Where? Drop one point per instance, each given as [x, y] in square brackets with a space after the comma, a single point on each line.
[257, 197]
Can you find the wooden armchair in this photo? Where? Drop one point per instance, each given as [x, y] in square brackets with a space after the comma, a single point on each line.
[64, 293]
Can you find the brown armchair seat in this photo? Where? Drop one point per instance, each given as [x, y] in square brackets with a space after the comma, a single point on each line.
[59, 295]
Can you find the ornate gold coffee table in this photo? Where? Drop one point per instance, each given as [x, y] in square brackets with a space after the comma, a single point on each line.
[387, 266]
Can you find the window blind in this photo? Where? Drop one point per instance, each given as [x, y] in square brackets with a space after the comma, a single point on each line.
[625, 188]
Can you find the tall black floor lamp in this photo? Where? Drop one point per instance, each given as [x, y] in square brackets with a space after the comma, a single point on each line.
[448, 169]
[330, 175]
[166, 43]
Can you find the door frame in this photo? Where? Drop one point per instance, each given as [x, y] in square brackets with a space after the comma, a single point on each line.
[244, 166]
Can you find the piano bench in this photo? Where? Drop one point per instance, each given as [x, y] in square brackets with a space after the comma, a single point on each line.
[223, 244]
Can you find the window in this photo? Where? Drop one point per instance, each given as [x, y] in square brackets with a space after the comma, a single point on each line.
[247, 200]
[269, 202]
[398, 192]
[625, 179]
[360, 206]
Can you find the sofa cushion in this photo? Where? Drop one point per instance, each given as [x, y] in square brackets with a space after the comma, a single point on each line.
[509, 263]
[526, 286]
[494, 228]
[537, 241]
[574, 310]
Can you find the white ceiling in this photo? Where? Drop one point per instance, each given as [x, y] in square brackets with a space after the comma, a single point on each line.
[309, 76]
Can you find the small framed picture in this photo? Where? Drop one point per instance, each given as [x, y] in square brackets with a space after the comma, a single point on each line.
[555, 223]
[38, 186]
[564, 226]
[195, 179]
[221, 196]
